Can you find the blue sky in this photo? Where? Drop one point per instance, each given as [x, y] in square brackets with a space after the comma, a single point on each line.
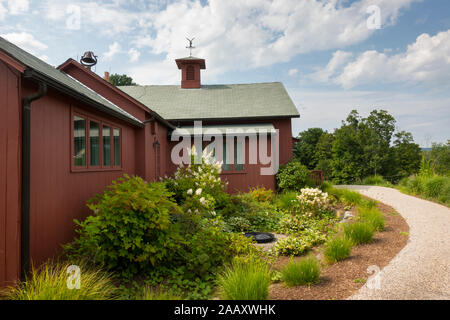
[324, 52]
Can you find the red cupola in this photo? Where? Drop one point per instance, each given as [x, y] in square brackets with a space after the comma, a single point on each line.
[190, 72]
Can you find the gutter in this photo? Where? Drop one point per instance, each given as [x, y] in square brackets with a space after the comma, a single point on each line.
[25, 217]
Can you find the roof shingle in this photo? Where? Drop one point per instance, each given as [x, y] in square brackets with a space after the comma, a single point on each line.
[258, 100]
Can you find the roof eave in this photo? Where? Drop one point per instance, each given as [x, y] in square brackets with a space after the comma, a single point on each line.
[72, 62]
[236, 118]
[35, 75]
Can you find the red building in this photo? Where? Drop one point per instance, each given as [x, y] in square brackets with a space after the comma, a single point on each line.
[66, 133]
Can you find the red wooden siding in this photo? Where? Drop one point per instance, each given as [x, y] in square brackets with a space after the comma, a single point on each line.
[10, 174]
[251, 176]
[59, 195]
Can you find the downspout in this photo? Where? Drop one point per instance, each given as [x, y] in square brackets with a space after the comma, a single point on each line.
[26, 137]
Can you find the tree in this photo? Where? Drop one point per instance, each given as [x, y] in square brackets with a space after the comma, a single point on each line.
[121, 80]
[347, 162]
[407, 155]
[305, 149]
[324, 154]
[362, 146]
[440, 158]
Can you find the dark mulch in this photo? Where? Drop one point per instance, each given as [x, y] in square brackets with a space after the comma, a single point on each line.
[338, 280]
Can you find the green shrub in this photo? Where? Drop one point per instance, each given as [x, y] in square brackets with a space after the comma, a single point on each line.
[206, 250]
[359, 232]
[373, 217]
[291, 246]
[50, 282]
[337, 249]
[239, 224]
[245, 281]
[351, 197]
[416, 184]
[129, 230]
[434, 186]
[368, 203]
[262, 194]
[286, 201]
[262, 216]
[157, 294]
[293, 176]
[374, 181]
[304, 272]
[348, 196]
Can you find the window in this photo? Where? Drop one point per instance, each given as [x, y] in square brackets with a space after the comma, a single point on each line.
[238, 155]
[190, 73]
[116, 147]
[106, 146]
[96, 145]
[79, 142]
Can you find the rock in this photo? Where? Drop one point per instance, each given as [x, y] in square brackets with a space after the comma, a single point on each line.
[348, 215]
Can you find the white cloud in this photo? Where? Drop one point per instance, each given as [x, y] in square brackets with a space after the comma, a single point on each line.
[337, 61]
[3, 11]
[113, 49]
[426, 61]
[157, 73]
[26, 41]
[18, 6]
[105, 17]
[292, 72]
[232, 35]
[134, 55]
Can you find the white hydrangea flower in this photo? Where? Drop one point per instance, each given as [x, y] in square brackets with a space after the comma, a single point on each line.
[190, 192]
[198, 192]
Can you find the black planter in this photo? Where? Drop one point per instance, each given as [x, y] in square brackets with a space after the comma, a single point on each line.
[261, 237]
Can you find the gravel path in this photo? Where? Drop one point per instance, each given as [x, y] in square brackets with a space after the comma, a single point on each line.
[422, 269]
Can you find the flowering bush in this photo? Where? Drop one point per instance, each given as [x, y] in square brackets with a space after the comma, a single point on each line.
[199, 185]
[312, 202]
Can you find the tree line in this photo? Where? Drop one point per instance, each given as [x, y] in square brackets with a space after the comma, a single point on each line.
[361, 147]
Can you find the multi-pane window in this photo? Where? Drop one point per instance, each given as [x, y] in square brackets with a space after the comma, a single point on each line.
[238, 155]
[116, 147]
[95, 145]
[79, 141]
[106, 146]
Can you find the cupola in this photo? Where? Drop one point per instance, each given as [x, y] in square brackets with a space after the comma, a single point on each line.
[190, 69]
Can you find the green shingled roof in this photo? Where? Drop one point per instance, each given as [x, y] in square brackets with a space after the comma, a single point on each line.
[46, 71]
[258, 100]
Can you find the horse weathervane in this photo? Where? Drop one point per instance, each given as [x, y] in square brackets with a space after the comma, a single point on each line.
[190, 46]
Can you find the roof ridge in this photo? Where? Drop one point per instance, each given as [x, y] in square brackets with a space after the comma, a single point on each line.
[203, 85]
